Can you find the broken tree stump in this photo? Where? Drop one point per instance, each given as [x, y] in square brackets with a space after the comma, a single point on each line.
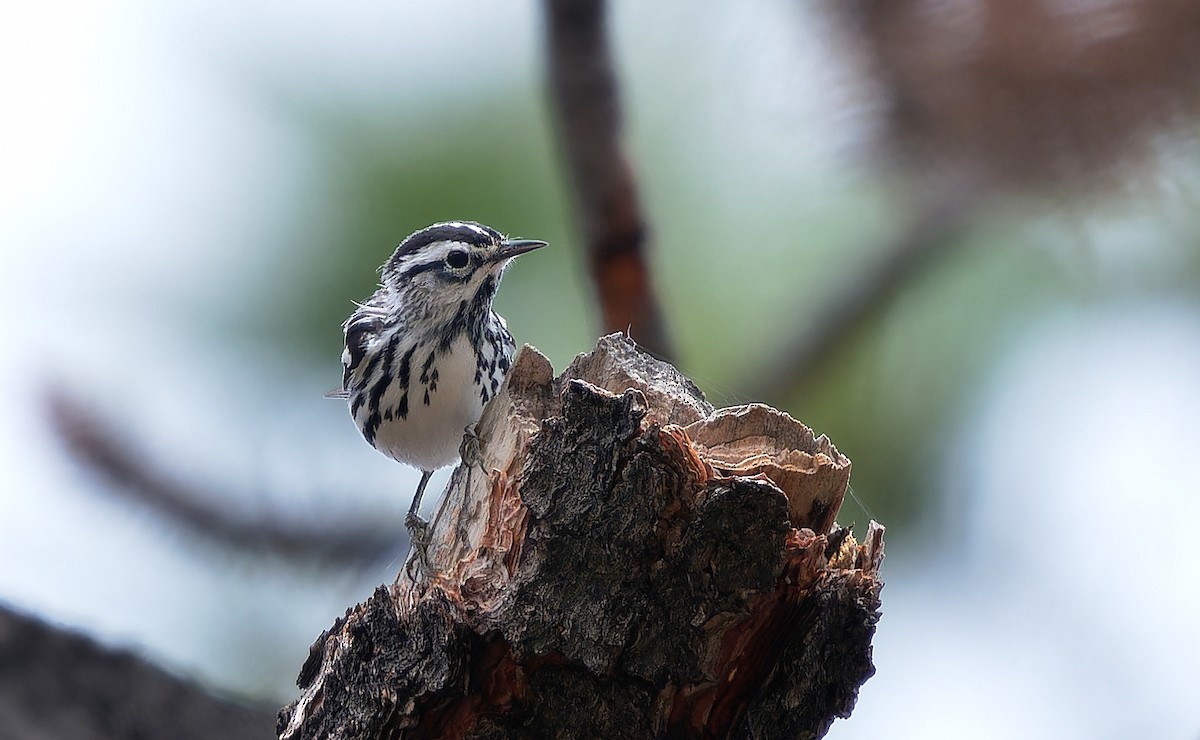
[620, 561]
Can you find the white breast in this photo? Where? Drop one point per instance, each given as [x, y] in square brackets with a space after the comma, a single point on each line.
[438, 412]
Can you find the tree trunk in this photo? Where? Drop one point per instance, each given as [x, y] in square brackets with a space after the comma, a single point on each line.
[619, 561]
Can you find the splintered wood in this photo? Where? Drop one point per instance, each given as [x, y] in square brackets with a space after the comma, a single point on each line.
[615, 559]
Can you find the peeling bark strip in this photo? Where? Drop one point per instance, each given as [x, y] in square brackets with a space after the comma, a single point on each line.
[622, 562]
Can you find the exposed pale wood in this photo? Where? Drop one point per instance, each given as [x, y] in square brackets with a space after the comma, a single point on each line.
[621, 560]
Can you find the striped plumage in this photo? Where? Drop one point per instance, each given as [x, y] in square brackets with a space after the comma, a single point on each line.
[426, 351]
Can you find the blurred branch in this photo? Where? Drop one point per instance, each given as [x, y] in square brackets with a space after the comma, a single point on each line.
[1046, 100]
[586, 105]
[55, 685]
[1076, 97]
[839, 323]
[98, 445]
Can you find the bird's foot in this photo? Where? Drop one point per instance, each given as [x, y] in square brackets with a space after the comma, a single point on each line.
[471, 449]
[418, 534]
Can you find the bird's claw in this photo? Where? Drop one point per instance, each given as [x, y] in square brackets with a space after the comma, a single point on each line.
[418, 533]
[471, 449]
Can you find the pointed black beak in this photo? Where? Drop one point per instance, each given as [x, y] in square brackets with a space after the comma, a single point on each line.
[512, 247]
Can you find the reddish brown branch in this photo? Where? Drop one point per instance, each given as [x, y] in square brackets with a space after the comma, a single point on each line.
[586, 105]
[98, 444]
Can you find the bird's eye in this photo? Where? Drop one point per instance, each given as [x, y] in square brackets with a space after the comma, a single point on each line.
[457, 259]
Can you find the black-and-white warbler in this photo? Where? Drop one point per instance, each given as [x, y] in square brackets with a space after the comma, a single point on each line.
[426, 351]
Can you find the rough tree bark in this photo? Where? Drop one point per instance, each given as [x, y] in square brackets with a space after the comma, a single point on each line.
[620, 560]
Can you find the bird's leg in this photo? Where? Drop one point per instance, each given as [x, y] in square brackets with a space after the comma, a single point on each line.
[418, 528]
[416, 502]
